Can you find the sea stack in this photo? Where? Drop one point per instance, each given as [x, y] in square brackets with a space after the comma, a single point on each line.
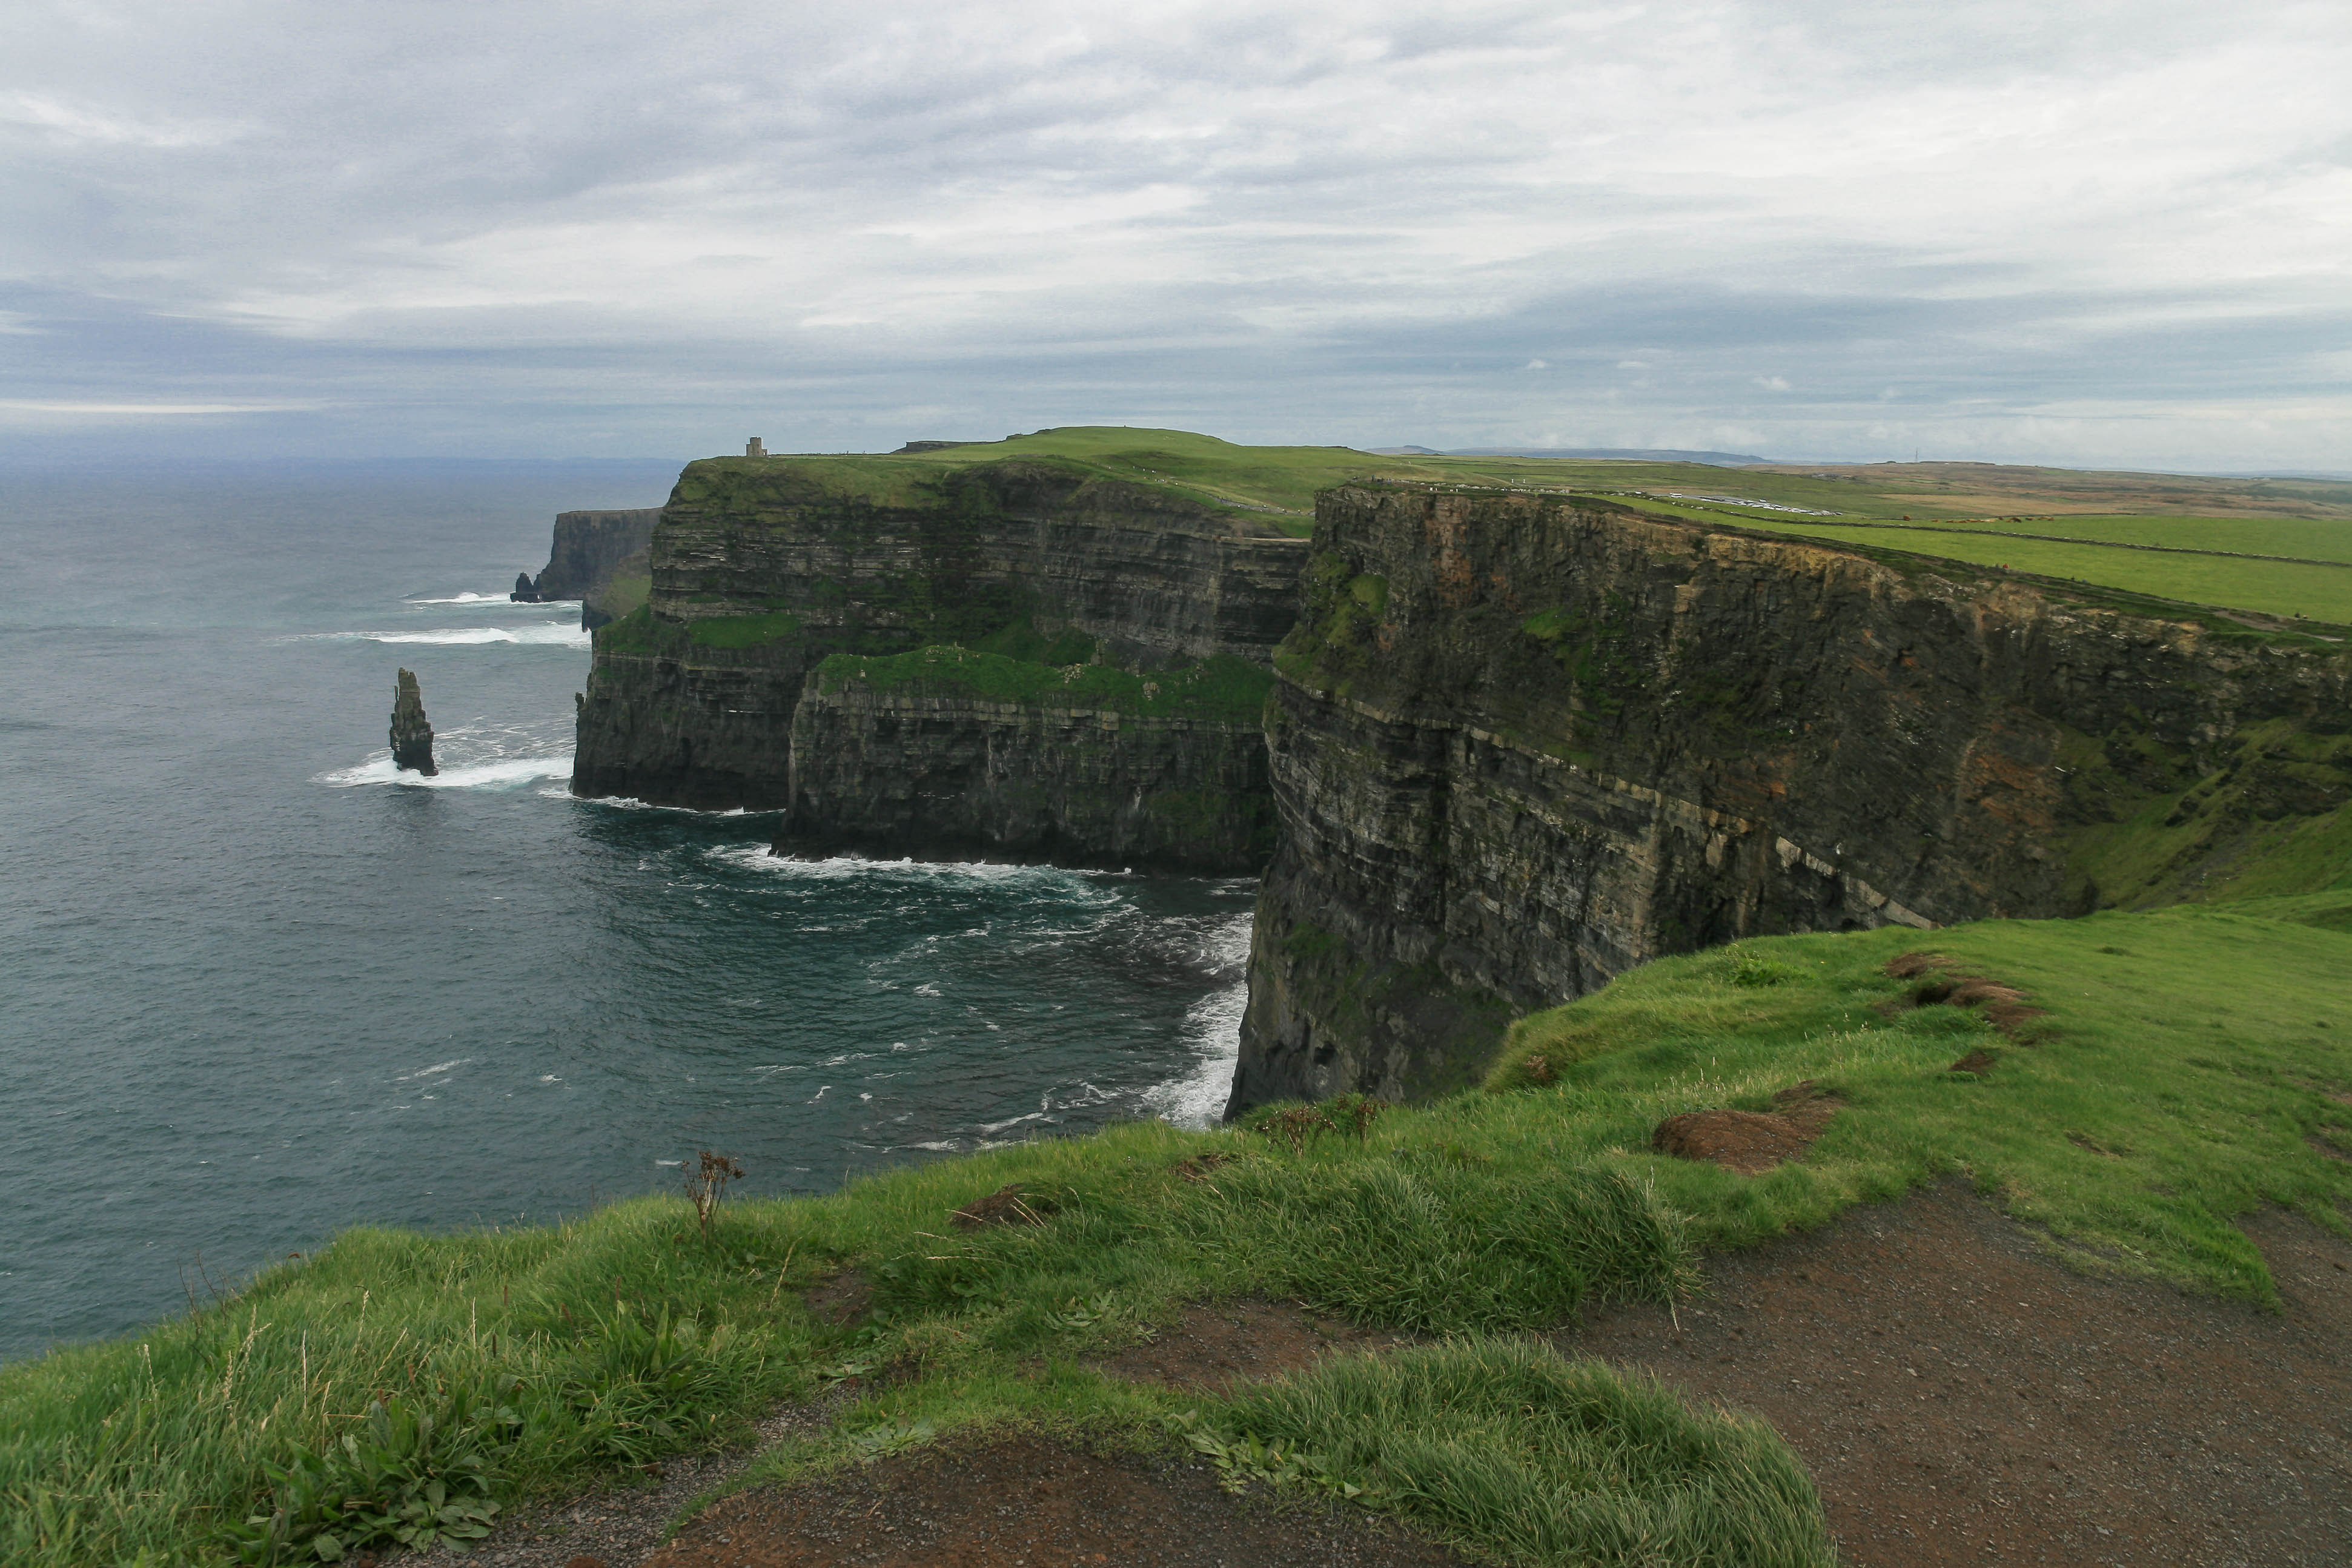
[412, 736]
[524, 591]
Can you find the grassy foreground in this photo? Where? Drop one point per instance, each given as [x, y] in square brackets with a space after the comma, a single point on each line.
[2189, 1065]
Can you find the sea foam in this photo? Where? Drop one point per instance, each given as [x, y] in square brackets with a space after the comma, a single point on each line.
[1213, 1026]
[504, 773]
[559, 634]
[501, 600]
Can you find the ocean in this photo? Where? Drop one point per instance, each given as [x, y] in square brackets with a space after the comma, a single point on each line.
[256, 987]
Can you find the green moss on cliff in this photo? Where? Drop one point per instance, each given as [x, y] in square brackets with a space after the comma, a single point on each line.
[2273, 817]
[744, 631]
[1219, 690]
[641, 634]
[1023, 642]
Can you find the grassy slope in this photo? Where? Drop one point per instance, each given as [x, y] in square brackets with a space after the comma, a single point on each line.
[2187, 1059]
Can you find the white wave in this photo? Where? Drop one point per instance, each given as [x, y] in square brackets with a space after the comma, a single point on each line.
[835, 868]
[631, 803]
[554, 634]
[449, 1065]
[548, 634]
[502, 774]
[1211, 1027]
[500, 600]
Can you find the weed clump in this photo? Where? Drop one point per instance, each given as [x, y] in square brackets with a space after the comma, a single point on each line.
[705, 1183]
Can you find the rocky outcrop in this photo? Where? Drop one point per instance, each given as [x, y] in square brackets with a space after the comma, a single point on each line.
[762, 570]
[586, 550]
[412, 736]
[1520, 744]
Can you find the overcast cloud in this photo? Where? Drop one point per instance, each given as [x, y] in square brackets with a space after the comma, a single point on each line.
[2088, 233]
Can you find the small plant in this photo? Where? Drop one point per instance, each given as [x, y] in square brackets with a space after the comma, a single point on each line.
[408, 1476]
[1753, 969]
[1298, 1126]
[891, 1437]
[1357, 1112]
[1083, 1314]
[707, 1183]
[1539, 1070]
[1244, 1457]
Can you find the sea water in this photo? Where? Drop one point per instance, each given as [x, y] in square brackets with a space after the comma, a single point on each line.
[256, 986]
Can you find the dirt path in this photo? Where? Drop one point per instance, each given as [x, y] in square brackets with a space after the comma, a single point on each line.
[1961, 1397]
[1023, 1501]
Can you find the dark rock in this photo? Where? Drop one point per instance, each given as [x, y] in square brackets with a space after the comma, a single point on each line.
[932, 770]
[524, 592]
[412, 736]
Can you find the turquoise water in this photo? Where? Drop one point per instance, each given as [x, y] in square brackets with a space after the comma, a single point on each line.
[252, 990]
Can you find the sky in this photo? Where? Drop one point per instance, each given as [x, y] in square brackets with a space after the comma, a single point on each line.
[2106, 232]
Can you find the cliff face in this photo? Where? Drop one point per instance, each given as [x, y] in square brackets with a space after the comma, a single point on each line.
[1519, 744]
[762, 570]
[924, 759]
[586, 549]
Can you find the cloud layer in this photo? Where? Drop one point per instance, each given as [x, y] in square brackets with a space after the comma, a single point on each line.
[2098, 233]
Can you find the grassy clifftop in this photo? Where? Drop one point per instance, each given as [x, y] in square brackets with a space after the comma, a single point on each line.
[2176, 1070]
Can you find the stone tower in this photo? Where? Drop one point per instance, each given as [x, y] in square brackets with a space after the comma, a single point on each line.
[755, 447]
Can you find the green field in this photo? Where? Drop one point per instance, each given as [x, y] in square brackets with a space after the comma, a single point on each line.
[2324, 538]
[2322, 594]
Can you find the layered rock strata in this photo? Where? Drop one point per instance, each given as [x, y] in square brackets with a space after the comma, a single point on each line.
[762, 570]
[1520, 744]
[912, 756]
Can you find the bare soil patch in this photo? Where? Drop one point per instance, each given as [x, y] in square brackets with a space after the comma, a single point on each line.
[1749, 1142]
[1008, 1205]
[617, 1525]
[2001, 1005]
[1217, 1344]
[1023, 1500]
[841, 1298]
[1962, 1396]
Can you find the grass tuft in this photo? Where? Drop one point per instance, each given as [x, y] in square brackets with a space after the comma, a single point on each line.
[1506, 1447]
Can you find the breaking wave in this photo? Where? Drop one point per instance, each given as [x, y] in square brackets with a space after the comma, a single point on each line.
[1212, 1027]
[503, 774]
[487, 600]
